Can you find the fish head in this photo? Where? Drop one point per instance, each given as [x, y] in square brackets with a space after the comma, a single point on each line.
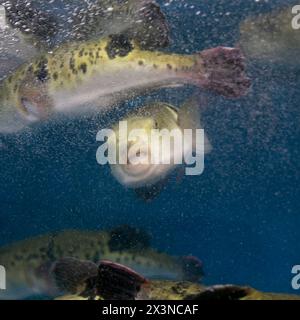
[135, 167]
[29, 94]
[136, 146]
[22, 102]
[33, 104]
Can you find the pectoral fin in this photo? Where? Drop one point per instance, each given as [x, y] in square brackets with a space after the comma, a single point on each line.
[72, 275]
[189, 117]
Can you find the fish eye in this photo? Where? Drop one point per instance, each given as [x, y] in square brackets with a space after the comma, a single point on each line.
[31, 109]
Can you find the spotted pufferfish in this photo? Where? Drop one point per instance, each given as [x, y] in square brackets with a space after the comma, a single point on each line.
[98, 74]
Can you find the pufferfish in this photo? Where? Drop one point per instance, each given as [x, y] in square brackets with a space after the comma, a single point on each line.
[95, 75]
[84, 280]
[28, 27]
[271, 37]
[29, 262]
[148, 178]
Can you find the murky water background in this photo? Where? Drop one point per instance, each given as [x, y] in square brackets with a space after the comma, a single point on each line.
[241, 217]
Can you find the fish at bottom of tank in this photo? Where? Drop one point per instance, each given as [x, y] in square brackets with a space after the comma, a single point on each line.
[84, 280]
[28, 263]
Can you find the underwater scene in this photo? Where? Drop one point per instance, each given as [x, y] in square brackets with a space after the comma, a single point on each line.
[149, 149]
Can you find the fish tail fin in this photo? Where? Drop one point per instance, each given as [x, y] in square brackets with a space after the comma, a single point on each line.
[222, 70]
[71, 275]
[189, 117]
[117, 282]
[151, 30]
[192, 268]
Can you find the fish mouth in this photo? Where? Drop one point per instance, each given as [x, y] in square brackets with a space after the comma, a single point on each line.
[136, 170]
[34, 105]
[30, 110]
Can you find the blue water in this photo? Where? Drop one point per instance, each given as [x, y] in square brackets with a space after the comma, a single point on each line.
[241, 217]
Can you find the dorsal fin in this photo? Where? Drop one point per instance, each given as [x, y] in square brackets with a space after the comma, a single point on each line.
[189, 117]
[152, 29]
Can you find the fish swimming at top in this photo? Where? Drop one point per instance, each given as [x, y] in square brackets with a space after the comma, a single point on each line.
[79, 77]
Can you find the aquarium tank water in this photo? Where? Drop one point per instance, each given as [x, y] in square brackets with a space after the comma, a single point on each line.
[73, 72]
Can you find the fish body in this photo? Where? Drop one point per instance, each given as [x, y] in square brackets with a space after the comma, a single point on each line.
[97, 74]
[81, 280]
[154, 290]
[174, 290]
[29, 27]
[188, 291]
[158, 116]
[48, 24]
[28, 262]
[271, 37]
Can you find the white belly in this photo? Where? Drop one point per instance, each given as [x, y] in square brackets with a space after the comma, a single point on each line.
[103, 90]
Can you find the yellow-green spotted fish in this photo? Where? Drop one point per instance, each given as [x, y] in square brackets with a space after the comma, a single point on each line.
[62, 21]
[271, 37]
[29, 262]
[147, 179]
[84, 280]
[96, 74]
[176, 291]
